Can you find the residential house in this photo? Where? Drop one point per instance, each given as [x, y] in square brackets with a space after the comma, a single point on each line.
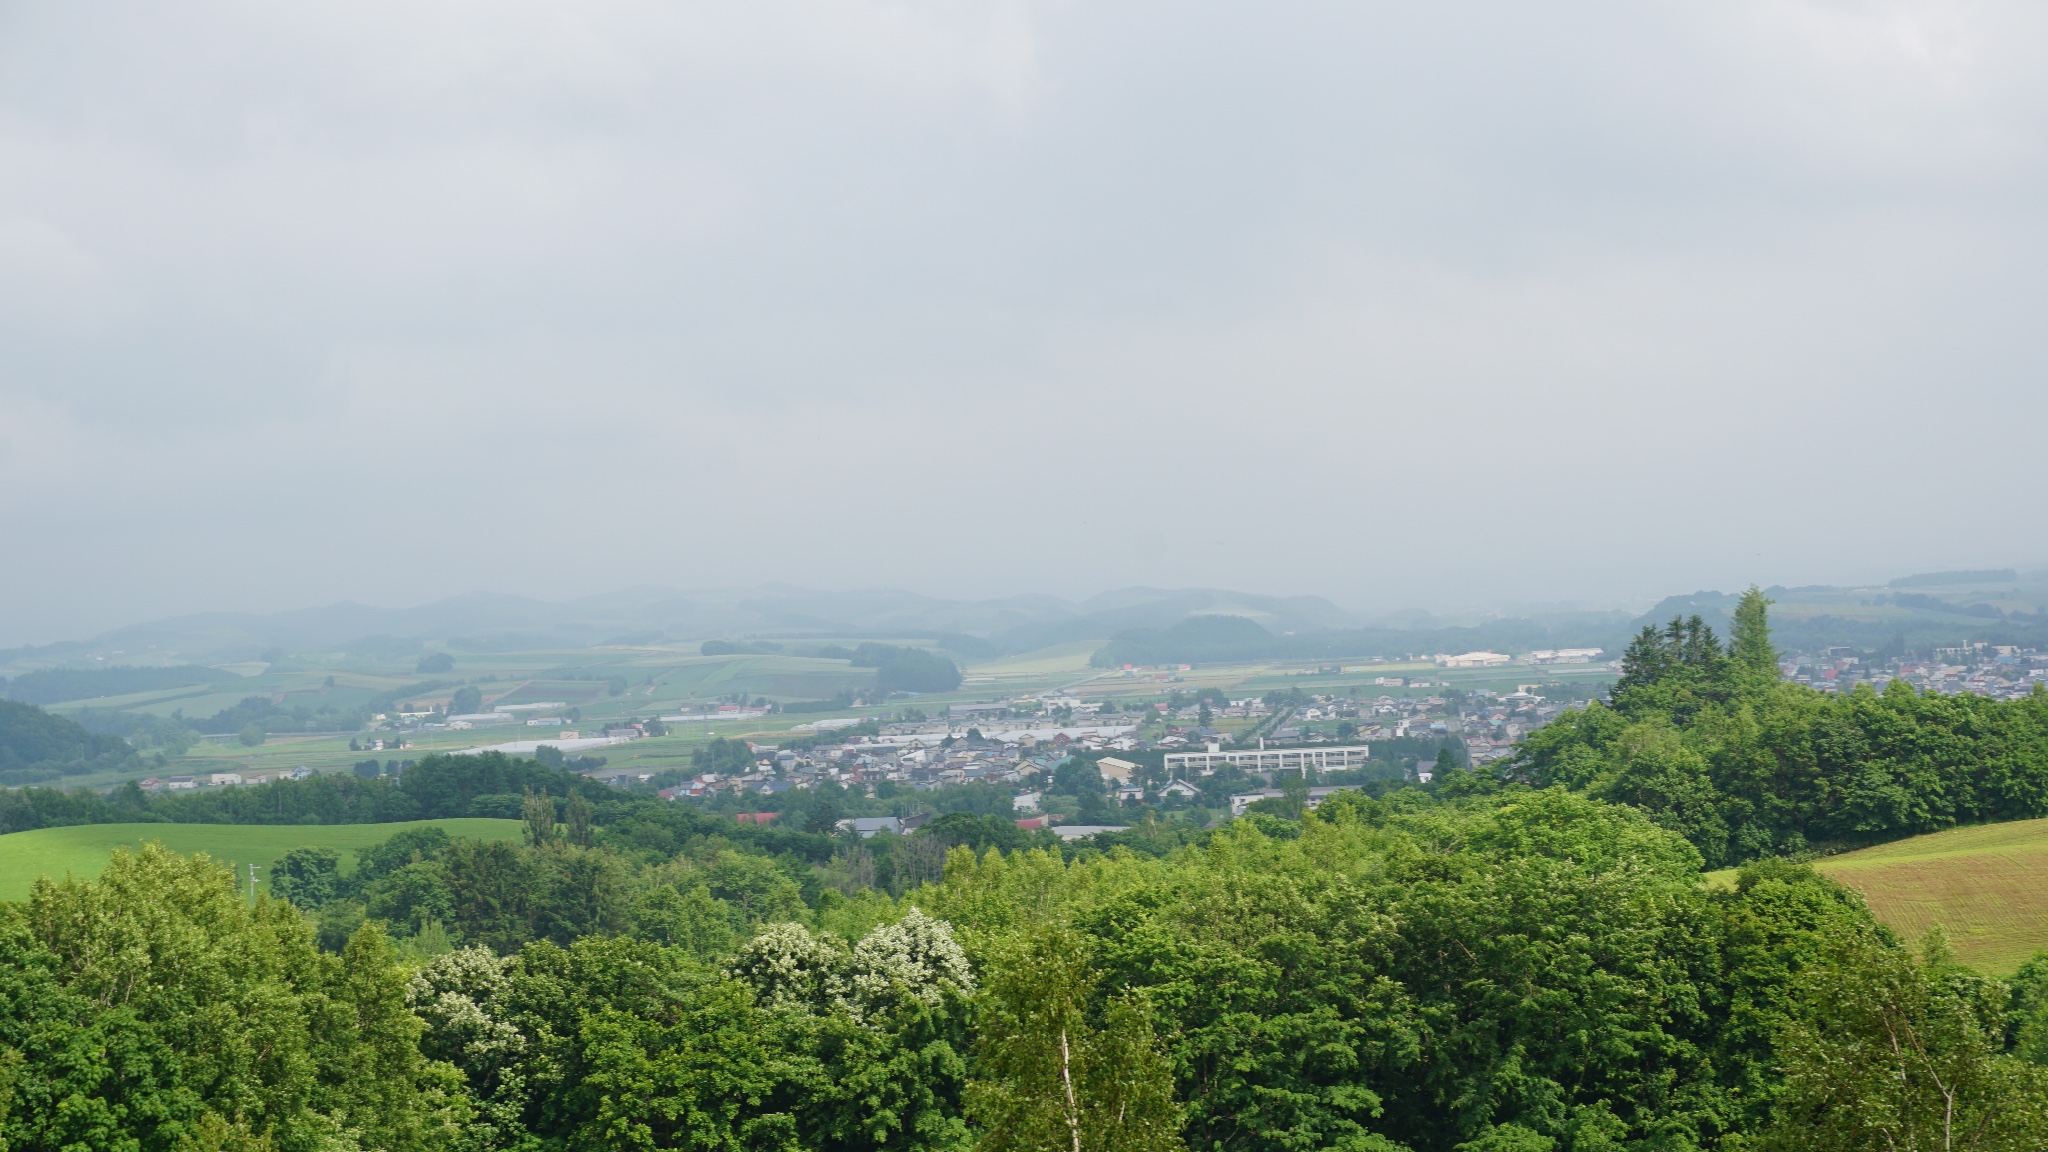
[1085, 831]
[868, 826]
[1113, 769]
[1316, 796]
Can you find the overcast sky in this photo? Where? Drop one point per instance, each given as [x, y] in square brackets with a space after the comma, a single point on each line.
[1401, 304]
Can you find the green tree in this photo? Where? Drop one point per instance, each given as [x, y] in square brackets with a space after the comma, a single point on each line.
[492, 889]
[410, 846]
[580, 820]
[1658, 773]
[1077, 777]
[759, 889]
[1674, 671]
[154, 1008]
[308, 877]
[1893, 1055]
[695, 921]
[722, 755]
[410, 896]
[385, 1092]
[1750, 640]
[1050, 1081]
[539, 815]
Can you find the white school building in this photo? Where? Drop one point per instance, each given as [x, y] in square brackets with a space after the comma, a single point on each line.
[1321, 758]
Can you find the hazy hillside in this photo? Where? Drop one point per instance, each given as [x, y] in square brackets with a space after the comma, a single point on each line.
[1913, 612]
[495, 622]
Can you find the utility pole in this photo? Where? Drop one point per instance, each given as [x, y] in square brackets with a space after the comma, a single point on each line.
[252, 883]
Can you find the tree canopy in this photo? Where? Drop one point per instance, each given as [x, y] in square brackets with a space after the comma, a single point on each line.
[1707, 740]
[1513, 968]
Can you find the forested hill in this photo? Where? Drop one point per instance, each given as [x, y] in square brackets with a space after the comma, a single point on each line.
[35, 745]
[52, 685]
[1705, 738]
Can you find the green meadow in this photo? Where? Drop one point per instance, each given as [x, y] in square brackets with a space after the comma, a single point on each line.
[82, 851]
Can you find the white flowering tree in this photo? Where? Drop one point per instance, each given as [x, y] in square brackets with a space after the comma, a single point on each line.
[791, 968]
[916, 958]
[461, 997]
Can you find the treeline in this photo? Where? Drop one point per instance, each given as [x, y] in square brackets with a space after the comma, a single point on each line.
[437, 787]
[1516, 971]
[1707, 740]
[902, 669]
[486, 784]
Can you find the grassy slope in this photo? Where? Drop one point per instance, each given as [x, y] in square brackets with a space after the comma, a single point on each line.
[82, 851]
[1987, 886]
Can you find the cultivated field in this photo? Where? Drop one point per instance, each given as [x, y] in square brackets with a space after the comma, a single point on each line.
[1061, 662]
[1987, 886]
[83, 851]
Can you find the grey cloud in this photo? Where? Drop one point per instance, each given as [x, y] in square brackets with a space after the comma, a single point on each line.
[1395, 304]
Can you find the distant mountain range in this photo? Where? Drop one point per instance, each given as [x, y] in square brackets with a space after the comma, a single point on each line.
[485, 621]
[1912, 611]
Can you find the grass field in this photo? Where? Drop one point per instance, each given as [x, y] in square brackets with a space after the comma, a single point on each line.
[1061, 661]
[1987, 886]
[83, 851]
